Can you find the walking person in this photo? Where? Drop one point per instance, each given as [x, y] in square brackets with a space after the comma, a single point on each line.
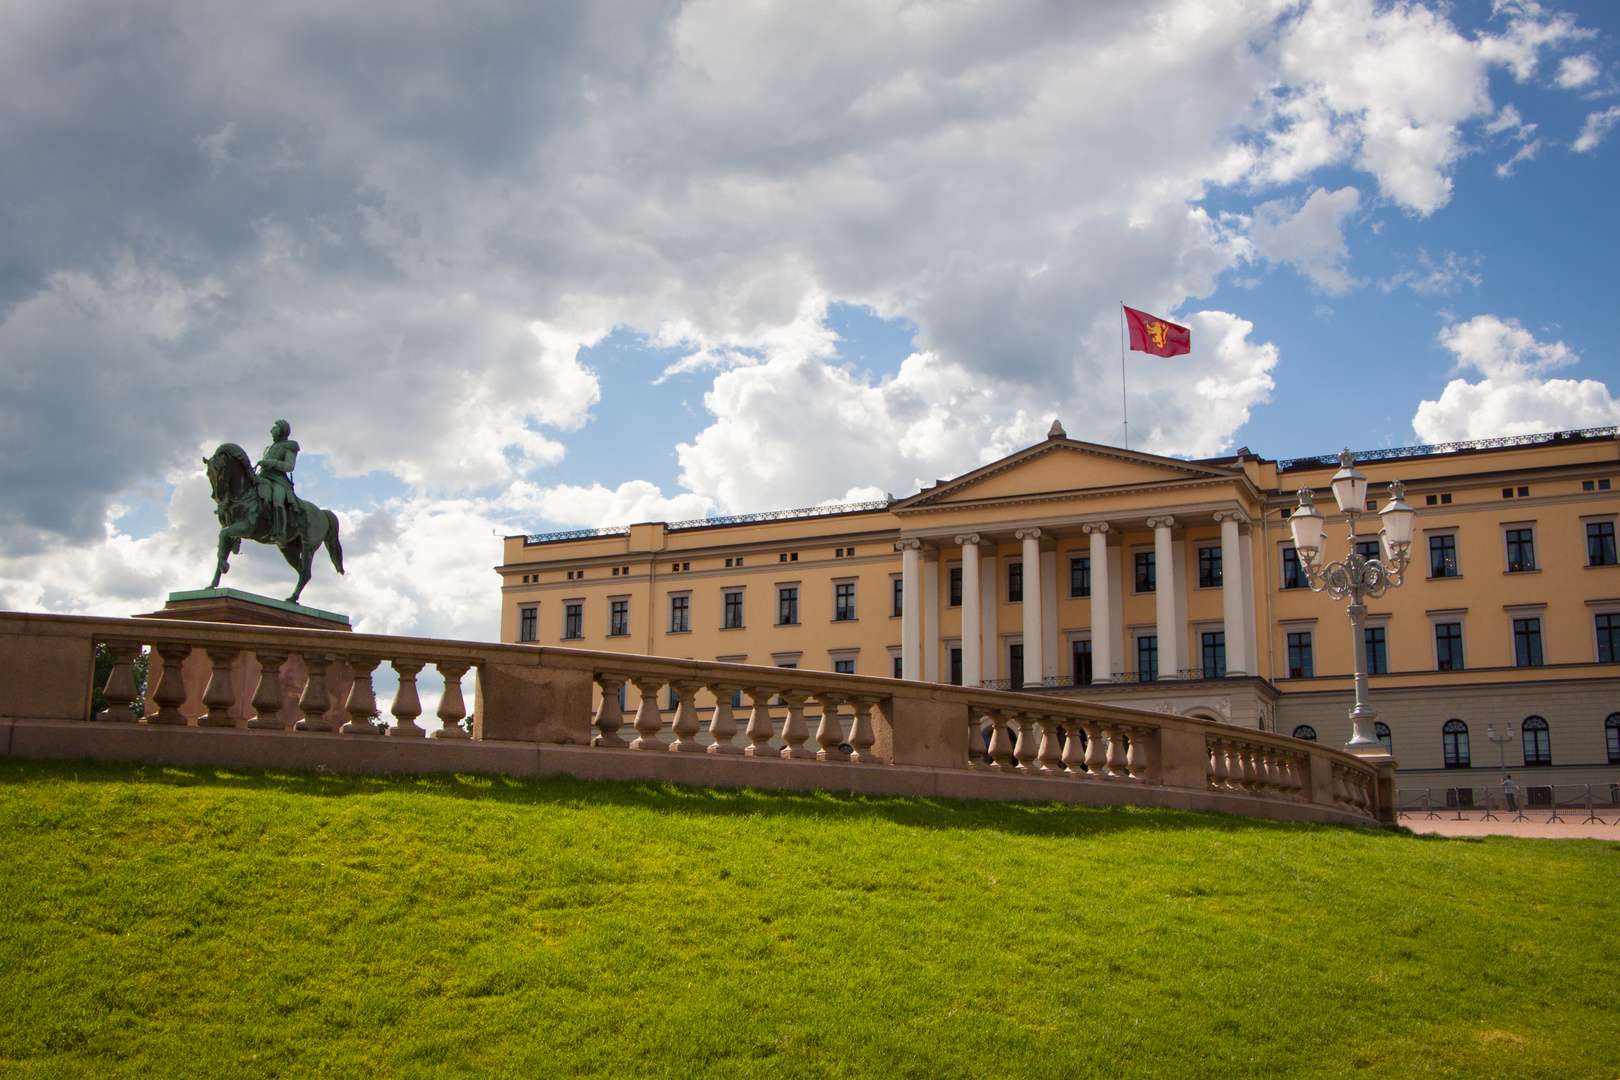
[1510, 792]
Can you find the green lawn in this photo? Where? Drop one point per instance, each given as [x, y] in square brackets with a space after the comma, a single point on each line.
[167, 923]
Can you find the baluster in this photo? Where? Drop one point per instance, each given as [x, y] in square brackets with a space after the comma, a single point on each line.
[362, 703]
[1074, 749]
[1139, 756]
[220, 695]
[1050, 753]
[1262, 770]
[1096, 752]
[407, 705]
[609, 717]
[171, 688]
[452, 706]
[830, 732]
[314, 701]
[1025, 751]
[267, 700]
[1290, 782]
[1245, 754]
[795, 732]
[1215, 764]
[1340, 792]
[1000, 753]
[861, 736]
[120, 688]
[723, 724]
[1116, 753]
[761, 728]
[976, 747]
[649, 720]
[686, 724]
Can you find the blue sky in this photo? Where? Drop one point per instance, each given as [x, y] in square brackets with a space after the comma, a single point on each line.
[567, 265]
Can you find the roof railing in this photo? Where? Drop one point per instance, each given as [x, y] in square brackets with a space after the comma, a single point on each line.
[1391, 453]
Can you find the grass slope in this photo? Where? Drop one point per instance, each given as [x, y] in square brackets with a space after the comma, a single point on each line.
[196, 923]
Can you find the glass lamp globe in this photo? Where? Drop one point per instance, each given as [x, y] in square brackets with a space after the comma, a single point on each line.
[1399, 519]
[1349, 485]
[1307, 525]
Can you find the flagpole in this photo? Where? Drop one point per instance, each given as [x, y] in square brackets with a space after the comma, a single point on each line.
[1124, 404]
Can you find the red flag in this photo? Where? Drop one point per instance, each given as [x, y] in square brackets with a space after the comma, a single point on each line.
[1151, 334]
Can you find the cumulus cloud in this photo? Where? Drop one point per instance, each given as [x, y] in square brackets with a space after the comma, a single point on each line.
[1310, 237]
[1596, 129]
[399, 226]
[1516, 396]
[1577, 71]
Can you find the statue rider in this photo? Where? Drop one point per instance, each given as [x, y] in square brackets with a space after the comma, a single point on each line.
[275, 478]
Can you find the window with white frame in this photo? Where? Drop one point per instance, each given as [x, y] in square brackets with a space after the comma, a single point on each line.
[1537, 741]
[529, 623]
[843, 601]
[732, 611]
[1521, 548]
[573, 619]
[619, 617]
[680, 613]
[1443, 555]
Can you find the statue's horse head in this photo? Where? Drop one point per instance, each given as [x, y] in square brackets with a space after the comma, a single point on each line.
[230, 474]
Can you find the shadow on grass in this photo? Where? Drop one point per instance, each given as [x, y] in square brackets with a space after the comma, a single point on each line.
[1029, 818]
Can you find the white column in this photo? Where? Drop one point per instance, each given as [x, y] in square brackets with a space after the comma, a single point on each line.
[1051, 651]
[972, 628]
[1234, 582]
[1164, 596]
[910, 608]
[1102, 630]
[990, 616]
[1033, 664]
[1251, 644]
[930, 615]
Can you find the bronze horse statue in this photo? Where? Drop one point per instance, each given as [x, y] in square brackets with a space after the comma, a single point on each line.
[244, 515]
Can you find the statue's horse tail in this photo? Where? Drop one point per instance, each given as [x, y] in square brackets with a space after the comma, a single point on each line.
[333, 547]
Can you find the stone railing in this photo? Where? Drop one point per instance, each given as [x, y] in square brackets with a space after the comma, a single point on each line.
[613, 715]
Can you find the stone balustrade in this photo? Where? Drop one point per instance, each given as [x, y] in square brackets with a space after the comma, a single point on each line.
[613, 715]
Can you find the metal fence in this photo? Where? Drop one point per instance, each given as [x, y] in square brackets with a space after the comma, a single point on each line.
[1543, 803]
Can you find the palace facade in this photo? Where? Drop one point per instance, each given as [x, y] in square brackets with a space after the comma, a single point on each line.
[1073, 568]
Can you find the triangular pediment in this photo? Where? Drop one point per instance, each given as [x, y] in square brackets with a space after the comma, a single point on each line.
[1063, 465]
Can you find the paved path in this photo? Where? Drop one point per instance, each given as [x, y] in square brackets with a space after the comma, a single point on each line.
[1473, 823]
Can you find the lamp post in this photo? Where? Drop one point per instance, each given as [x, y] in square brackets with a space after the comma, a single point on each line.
[1356, 576]
[1501, 742]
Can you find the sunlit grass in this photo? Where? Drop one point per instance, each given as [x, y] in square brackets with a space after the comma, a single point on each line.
[187, 923]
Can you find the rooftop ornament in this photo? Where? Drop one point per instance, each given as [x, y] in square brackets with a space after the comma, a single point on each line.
[1355, 576]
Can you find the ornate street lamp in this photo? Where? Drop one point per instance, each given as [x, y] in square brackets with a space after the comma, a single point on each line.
[1501, 742]
[1356, 576]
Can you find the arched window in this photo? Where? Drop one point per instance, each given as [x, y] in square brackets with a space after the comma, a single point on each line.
[1537, 741]
[1455, 737]
[1381, 730]
[1611, 728]
[1306, 732]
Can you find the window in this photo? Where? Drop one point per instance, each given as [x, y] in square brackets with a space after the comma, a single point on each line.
[1368, 549]
[1306, 732]
[1300, 662]
[679, 612]
[1381, 733]
[788, 556]
[1611, 731]
[1527, 643]
[1537, 741]
[1147, 576]
[1454, 737]
[1443, 555]
[1521, 550]
[899, 668]
[1214, 655]
[1147, 658]
[529, 624]
[956, 667]
[1015, 583]
[678, 567]
[843, 602]
[733, 611]
[1448, 646]
[953, 593]
[897, 606]
[844, 667]
[1015, 666]
[1600, 543]
[618, 618]
[1599, 485]
[1293, 575]
[574, 620]
[1080, 575]
[1209, 567]
[1377, 651]
[1082, 663]
[787, 605]
[1608, 639]
[1443, 500]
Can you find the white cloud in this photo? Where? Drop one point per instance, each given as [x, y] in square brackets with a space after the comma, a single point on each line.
[1310, 237]
[1436, 278]
[1576, 71]
[1596, 129]
[1515, 397]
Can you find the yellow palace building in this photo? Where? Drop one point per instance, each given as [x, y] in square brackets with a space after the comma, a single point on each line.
[1079, 569]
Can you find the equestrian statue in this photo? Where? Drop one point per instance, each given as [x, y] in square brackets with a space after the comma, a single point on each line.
[260, 504]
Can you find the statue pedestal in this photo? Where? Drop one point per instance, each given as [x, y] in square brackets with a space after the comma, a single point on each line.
[235, 606]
